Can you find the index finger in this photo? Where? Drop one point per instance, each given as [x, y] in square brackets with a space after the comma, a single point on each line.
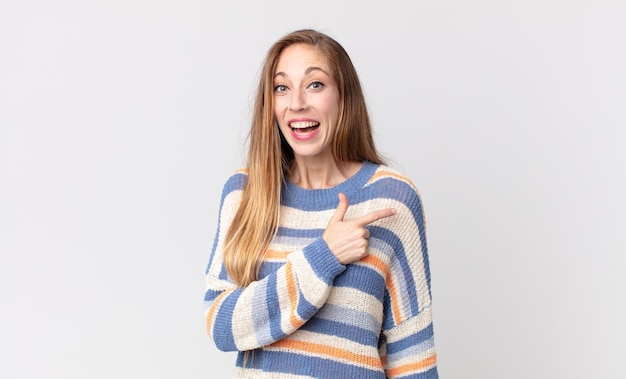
[374, 216]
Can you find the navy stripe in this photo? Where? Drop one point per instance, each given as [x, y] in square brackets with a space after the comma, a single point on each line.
[299, 233]
[234, 183]
[305, 309]
[339, 329]
[223, 336]
[410, 341]
[210, 295]
[300, 364]
[401, 255]
[268, 268]
[430, 374]
[365, 278]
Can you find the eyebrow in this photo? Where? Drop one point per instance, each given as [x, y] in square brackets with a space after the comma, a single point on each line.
[306, 72]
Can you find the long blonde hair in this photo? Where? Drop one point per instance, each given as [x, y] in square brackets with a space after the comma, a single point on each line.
[270, 158]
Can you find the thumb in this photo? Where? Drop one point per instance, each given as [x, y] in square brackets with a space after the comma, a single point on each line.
[341, 208]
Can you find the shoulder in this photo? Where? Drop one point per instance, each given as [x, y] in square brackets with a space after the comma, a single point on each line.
[235, 182]
[388, 182]
[233, 186]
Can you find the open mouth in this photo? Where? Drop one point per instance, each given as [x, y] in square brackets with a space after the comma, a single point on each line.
[304, 127]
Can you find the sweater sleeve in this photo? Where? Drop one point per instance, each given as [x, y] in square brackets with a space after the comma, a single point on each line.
[271, 308]
[408, 340]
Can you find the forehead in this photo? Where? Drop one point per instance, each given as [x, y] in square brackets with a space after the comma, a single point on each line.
[300, 57]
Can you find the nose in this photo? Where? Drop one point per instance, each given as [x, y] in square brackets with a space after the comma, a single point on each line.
[297, 102]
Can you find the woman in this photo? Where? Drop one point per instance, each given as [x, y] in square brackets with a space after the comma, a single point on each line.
[319, 268]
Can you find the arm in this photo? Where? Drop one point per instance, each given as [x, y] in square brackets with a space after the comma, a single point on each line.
[269, 309]
[408, 330]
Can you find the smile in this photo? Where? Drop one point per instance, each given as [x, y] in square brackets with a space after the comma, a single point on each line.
[304, 130]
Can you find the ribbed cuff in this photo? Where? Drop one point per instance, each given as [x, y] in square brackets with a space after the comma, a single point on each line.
[323, 261]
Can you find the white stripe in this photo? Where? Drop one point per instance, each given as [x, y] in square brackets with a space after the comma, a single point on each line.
[344, 297]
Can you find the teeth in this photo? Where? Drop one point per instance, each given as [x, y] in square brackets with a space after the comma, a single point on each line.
[303, 124]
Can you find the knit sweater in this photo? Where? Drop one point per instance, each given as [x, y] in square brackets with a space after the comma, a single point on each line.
[309, 316]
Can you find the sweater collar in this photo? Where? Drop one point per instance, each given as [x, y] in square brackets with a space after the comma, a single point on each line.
[314, 199]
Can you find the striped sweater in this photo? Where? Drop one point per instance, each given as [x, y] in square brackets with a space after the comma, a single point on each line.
[308, 316]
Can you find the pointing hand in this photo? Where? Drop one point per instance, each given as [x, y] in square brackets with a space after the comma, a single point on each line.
[347, 239]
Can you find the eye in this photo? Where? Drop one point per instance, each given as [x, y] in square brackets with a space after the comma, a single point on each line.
[316, 85]
[280, 88]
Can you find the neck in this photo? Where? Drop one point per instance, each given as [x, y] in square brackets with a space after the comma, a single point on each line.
[321, 173]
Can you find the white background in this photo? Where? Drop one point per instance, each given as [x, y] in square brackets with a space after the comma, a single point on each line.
[120, 121]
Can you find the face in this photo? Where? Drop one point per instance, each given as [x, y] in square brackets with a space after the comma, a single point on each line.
[306, 101]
